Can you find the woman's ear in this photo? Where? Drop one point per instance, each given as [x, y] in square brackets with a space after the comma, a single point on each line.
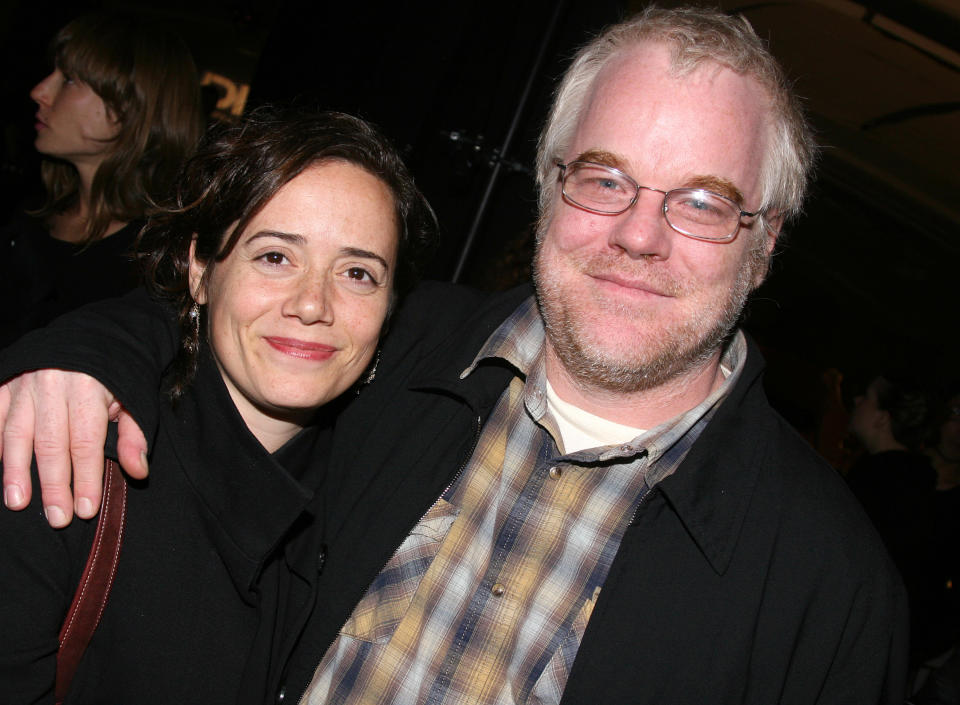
[198, 288]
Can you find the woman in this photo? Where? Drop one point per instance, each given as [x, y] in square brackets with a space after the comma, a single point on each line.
[289, 239]
[115, 120]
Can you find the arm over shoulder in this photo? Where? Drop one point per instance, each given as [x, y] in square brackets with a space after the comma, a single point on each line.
[125, 343]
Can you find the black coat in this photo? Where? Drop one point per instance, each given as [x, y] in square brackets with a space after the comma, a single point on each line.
[193, 605]
[750, 575]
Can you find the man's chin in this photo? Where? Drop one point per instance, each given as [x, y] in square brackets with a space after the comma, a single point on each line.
[632, 362]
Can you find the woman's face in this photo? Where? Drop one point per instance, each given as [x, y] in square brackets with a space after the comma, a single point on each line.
[295, 310]
[72, 121]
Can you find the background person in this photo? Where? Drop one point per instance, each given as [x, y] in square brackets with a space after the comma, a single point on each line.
[116, 118]
[943, 450]
[895, 484]
[282, 256]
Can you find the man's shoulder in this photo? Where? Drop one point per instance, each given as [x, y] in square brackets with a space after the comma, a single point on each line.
[436, 312]
[815, 503]
[456, 301]
[790, 488]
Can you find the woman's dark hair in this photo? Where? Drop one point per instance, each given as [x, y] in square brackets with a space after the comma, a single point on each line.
[146, 77]
[233, 175]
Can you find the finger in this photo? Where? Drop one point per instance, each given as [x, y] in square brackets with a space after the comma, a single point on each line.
[131, 446]
[4, 408]
[51, 446]
[88, 417]
[16, 446]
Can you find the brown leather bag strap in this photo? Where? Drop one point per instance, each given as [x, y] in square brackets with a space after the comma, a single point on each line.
[96, 581]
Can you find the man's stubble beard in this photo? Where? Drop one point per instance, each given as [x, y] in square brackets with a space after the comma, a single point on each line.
[670, 353]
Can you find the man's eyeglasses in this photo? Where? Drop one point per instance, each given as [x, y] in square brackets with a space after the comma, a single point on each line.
[694, 212]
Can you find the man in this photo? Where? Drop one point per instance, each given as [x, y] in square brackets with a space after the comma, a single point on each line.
[585, 497]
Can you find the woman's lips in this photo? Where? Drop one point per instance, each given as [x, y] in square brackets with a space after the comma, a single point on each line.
[302, 349]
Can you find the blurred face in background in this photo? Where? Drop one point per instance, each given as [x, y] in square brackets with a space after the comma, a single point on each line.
[73, 123]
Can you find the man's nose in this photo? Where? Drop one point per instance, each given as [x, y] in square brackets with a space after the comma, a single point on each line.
[311, 301]
[642, 231]
[42, 93]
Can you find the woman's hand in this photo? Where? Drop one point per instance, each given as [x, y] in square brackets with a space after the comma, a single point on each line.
[61, 418]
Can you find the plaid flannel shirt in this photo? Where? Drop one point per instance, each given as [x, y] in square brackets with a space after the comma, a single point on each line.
[487, 599]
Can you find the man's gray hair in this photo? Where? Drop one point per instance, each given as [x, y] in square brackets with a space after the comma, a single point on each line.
[695, 36]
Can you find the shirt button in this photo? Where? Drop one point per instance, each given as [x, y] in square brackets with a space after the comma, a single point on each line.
[497, 590]
[555, 472]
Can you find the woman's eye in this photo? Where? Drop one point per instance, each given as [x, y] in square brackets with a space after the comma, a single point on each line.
[361, 275]
[273, 257]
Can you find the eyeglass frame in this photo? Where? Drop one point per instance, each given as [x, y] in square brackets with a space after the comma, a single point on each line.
[663, 206]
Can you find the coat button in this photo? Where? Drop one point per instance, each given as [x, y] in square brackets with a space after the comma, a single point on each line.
[281, 694]
[555, 472]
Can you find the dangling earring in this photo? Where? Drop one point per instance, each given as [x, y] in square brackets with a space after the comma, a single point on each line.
[194, 316]
[371, 371]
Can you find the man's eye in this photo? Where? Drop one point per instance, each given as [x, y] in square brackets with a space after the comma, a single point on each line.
[601, 183]
[695, 204]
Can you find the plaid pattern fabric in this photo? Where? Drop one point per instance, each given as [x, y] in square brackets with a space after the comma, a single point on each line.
[487, 599]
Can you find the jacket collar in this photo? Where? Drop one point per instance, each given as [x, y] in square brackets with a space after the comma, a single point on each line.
[249, 500]
[443, 370]
[711, 489]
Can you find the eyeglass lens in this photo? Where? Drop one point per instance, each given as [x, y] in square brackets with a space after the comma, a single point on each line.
[692, 211]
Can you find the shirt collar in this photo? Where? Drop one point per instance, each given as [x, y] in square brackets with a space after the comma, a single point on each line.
[519, 341]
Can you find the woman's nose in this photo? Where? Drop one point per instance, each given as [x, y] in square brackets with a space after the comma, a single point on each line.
[311, 302]
[42, 93]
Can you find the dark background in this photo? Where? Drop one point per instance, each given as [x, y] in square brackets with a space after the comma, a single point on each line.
[867, 279]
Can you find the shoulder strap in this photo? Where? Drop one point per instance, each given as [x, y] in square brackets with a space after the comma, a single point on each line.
[96, 581]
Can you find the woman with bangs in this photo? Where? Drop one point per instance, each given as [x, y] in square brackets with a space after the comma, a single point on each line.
[115, 120]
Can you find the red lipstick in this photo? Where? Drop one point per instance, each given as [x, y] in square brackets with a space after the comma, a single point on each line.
[302, 349]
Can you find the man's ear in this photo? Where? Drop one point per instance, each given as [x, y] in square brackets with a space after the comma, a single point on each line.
[772, 225]
[198, 286]
[774, 222]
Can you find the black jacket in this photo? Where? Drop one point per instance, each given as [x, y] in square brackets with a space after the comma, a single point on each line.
[749, 576]
[197, 588]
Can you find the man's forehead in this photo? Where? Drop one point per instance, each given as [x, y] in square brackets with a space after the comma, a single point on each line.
[703, 128]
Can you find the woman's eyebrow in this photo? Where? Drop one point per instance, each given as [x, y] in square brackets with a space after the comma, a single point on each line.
[365, 254]
[292, 238]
